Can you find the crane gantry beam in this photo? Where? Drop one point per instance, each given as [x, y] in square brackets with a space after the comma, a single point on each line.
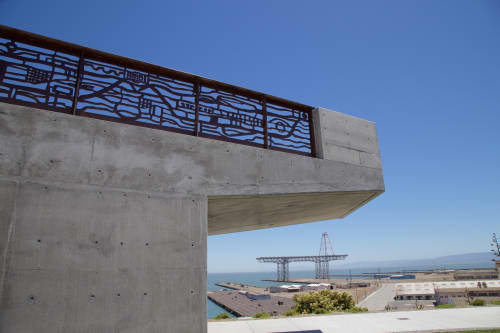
[321, 261]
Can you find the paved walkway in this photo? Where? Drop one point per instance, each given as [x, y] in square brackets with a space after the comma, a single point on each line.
[407, 321]
[379, 299]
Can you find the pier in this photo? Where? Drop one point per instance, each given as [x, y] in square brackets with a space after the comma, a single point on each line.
[242, 306]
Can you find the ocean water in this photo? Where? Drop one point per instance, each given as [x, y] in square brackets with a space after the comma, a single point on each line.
[255, 279]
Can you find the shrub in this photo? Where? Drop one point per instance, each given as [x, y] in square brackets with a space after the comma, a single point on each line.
[478, 302]
[445, 306]
[222, 315]
[291, 313]
[356, 310]
[322, 301]
[262, 315]
[495, 302]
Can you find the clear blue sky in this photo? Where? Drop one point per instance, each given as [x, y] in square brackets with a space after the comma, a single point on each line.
[427, 72]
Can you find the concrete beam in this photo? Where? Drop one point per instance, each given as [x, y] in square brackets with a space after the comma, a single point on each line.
[51, 147]
[268, 211]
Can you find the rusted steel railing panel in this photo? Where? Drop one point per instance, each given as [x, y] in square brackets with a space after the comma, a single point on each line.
[54, 75]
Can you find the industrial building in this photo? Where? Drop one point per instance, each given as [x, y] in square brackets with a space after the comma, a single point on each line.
[449, 292]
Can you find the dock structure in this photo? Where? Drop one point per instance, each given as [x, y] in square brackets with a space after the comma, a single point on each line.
[242, 306]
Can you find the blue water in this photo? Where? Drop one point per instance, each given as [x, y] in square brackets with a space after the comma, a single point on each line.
[255, 279]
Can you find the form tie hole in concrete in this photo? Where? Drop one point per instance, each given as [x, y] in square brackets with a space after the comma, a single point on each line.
[39, 240]
[118, 295]
[121, 243]
[100, 192]
[96, 242]
[147, 244]
[149, 175]
[92, 295]
[145, 294]
[124, 194]
[45, 187]
[190, 177]
[192, 244]
[99, 170]
[149, 197]
[32, 297]
[192, 292]
[51, 161]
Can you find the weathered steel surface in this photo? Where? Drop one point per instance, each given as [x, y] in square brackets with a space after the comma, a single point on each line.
[54, 75]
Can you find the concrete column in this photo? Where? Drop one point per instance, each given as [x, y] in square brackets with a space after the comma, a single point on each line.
[86, 259]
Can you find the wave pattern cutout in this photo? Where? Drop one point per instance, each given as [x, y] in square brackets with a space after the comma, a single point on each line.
[136, 96]
[47, 78]
[36, 76]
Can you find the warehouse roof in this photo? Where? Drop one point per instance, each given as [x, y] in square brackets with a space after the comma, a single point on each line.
[427, 288]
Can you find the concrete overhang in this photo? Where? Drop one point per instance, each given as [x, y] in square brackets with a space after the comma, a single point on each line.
[247, 188]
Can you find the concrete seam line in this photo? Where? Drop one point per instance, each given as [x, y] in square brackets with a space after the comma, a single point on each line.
[93, 187]
[10, 235]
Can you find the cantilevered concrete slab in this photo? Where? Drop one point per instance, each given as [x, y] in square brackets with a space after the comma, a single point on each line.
[103, 225]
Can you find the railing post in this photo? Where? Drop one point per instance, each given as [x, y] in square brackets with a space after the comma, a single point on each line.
[79, 74]
[264, 123]
[312, 141]
[196, 108]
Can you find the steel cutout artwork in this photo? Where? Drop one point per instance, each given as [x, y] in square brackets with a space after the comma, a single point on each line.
[41, 75]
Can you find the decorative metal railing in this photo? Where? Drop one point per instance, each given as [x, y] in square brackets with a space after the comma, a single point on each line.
[54, 75]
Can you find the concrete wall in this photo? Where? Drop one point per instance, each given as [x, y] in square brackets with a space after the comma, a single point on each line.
[103, 225]
[344, 138]
[96, 260]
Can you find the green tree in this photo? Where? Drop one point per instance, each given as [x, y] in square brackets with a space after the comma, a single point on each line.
[323, 301]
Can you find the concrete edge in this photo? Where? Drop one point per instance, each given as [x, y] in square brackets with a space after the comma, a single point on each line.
[362, 203]
[214, 197]
[344, 114]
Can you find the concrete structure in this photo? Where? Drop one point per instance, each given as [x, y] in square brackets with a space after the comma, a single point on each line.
[103, 225]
